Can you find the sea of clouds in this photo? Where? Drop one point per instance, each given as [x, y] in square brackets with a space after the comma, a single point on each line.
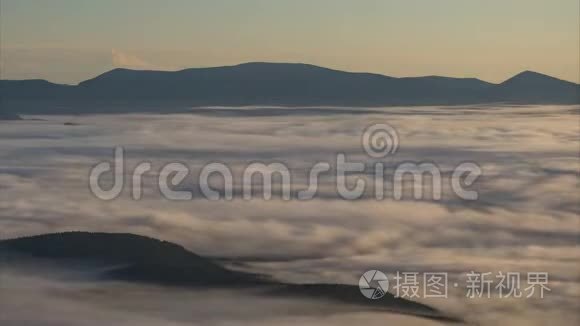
[526, 217]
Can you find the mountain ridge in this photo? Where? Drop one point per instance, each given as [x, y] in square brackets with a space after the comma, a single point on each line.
[258, 63]
[283, 84]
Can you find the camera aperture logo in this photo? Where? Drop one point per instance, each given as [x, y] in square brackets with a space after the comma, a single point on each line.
[373, 284]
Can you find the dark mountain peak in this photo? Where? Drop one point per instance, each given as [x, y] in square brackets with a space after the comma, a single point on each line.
[84, 236]
[33, 81]
[283, 65]
[453, 83]
[31, 90]
[143, 259]
[532, 77]
[530, 73]
[533, 87]
[280, 69]
[116, 71]
[30, 82]
[123, 75]
[88, 245]
[265, 64]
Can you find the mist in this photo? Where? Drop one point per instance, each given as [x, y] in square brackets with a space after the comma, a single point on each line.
[526, 217]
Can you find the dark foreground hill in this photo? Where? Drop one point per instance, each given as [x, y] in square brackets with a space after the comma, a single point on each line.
[281, 84]
[140, 258]
[146, 260]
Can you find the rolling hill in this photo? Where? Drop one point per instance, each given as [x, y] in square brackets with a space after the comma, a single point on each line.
[134, 258]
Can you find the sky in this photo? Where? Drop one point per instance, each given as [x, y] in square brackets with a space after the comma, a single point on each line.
[70, 41]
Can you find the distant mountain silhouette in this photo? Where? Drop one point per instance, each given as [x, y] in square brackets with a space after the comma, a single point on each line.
[142, 259]
[534, 87]
[285, 84]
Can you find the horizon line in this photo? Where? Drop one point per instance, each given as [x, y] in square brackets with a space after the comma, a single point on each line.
[290, 63]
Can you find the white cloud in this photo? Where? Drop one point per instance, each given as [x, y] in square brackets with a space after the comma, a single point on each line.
[526, 220]
[123, 59]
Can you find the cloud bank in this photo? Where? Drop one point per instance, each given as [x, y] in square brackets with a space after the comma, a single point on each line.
[526, 218]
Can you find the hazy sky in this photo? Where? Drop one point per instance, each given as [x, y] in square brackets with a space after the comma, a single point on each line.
[69, 41]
